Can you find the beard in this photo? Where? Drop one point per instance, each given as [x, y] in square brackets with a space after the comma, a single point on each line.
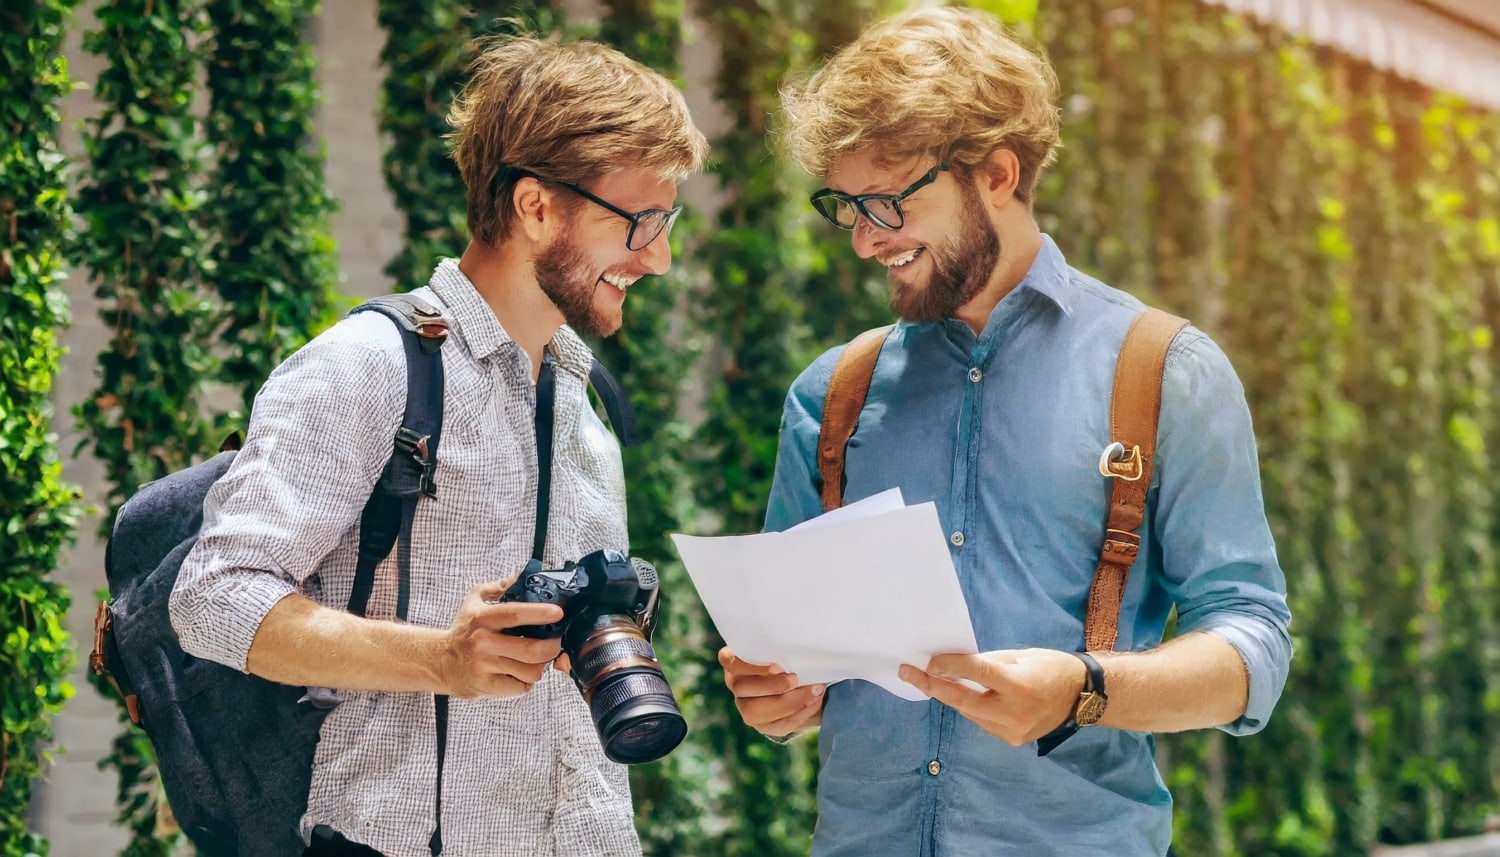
[563, 277]
[960, 269]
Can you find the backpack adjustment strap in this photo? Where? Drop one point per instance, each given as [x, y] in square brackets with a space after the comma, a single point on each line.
[415, 447]
[106, 654]
[433, 328]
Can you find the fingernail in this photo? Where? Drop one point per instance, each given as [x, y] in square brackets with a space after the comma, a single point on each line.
[818, 690]
[777, 670]
[906, 673]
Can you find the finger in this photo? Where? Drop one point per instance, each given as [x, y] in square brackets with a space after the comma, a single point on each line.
[749, 686]
[772, 712]
[497, 617]
[529, 651]
[987, 669]
[522, 671]
[792, 722]
[733, 663]
[563, 663]
[490, 590]
[971, 703]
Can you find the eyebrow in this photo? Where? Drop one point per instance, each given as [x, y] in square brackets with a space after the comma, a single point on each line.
[904, 183]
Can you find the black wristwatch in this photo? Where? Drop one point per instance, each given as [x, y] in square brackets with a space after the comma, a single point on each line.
[1086, 712]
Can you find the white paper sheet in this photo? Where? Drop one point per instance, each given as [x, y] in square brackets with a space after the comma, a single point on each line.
[854, 593]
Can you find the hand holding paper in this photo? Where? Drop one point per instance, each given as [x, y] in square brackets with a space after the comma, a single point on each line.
[851, 594]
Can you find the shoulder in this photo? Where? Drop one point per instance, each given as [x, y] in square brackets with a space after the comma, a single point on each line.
[361, 356]
[810, 388]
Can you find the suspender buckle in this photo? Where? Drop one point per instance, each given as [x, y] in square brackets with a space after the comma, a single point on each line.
[1118, 463]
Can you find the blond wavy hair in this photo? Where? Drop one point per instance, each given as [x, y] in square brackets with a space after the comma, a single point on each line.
[570, 112]
[943, 81]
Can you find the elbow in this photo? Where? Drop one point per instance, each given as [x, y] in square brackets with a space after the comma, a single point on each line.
[183, 606]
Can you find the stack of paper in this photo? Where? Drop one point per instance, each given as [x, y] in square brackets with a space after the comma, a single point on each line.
[853, 593]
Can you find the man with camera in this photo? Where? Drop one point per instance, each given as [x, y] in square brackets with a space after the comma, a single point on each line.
[571, 154]
[992, 398]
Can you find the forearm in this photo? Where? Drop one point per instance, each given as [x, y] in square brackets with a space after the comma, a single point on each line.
[300, 642]
[1195, 681]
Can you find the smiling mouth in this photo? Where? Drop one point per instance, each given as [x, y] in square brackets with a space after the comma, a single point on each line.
[904, 259]
[620, 282]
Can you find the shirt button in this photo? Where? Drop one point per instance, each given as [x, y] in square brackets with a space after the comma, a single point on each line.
[934, 767]
[957, 538]
[975, 375]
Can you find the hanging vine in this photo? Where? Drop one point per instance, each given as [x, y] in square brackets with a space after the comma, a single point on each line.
[38, 512]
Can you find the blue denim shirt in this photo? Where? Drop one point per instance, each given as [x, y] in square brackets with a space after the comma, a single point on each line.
[1003, 432]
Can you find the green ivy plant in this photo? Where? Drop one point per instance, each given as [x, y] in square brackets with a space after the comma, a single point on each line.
[38, 512]
[428, 50]
[266, 209]
[139, 202]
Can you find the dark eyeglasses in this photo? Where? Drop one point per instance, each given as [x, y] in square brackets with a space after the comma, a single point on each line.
[645, 226]
[881, 209]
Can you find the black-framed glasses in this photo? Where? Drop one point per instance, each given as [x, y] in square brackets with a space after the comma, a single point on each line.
[881, 209]
[645, 225]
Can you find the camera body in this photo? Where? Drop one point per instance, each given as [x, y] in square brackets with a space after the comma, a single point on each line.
[610, 605]
[603, 583]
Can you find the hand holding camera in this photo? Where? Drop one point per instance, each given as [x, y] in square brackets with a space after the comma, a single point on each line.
[608, 611]
[481, 659]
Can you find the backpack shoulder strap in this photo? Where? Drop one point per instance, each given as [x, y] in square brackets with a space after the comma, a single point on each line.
[847, 390]
[1134, 410]
[411, 470]
[616, 404]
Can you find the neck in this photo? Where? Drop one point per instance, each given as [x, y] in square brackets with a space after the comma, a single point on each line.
[504, 277]
[1019, 244]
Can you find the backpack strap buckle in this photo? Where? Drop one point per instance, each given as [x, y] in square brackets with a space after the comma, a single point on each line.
[414, 446]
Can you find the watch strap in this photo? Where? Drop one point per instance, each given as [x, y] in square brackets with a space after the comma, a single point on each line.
[1093, 682]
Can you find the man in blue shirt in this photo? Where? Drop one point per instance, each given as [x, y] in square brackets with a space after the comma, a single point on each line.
[991, 399]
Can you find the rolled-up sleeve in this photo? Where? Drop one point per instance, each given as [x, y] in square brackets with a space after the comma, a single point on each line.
[1218, 556]
[320, 432]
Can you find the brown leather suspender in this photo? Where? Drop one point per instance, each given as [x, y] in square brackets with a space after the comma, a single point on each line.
[846, 397]
[1134, 409]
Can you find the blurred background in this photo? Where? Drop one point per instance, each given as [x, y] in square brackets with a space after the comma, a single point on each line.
[189, 189]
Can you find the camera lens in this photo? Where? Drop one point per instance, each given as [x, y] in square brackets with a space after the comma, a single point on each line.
[637, 717]
[631, 703]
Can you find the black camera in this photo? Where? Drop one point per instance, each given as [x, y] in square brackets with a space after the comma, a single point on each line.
[609, 607]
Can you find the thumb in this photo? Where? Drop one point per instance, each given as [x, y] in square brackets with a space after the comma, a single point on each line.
[491, 590]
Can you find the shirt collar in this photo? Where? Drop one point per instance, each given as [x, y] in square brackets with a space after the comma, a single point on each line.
[1048, 276]
[473, 320]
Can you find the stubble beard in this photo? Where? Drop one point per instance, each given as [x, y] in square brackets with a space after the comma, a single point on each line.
[562, 275]
[960, 270]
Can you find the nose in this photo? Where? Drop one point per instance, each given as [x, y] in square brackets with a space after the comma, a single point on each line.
[866, 237]
[656, 257]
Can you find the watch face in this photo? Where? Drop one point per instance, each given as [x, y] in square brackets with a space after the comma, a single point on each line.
[1090, 708]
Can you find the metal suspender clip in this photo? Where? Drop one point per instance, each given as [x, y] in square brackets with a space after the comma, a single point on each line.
[1118, 463]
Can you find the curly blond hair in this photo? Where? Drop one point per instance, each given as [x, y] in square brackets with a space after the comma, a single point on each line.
[945, 81]
[570, 112]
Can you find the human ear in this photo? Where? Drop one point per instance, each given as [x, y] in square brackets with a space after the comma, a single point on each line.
[999, 174]
[530, 202]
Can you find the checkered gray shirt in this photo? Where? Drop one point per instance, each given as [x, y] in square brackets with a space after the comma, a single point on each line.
[522, 776]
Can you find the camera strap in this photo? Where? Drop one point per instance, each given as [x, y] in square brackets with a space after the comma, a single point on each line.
[546, 387]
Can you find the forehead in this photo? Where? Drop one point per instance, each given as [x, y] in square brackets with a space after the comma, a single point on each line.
[870, 171]
[636, 189]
